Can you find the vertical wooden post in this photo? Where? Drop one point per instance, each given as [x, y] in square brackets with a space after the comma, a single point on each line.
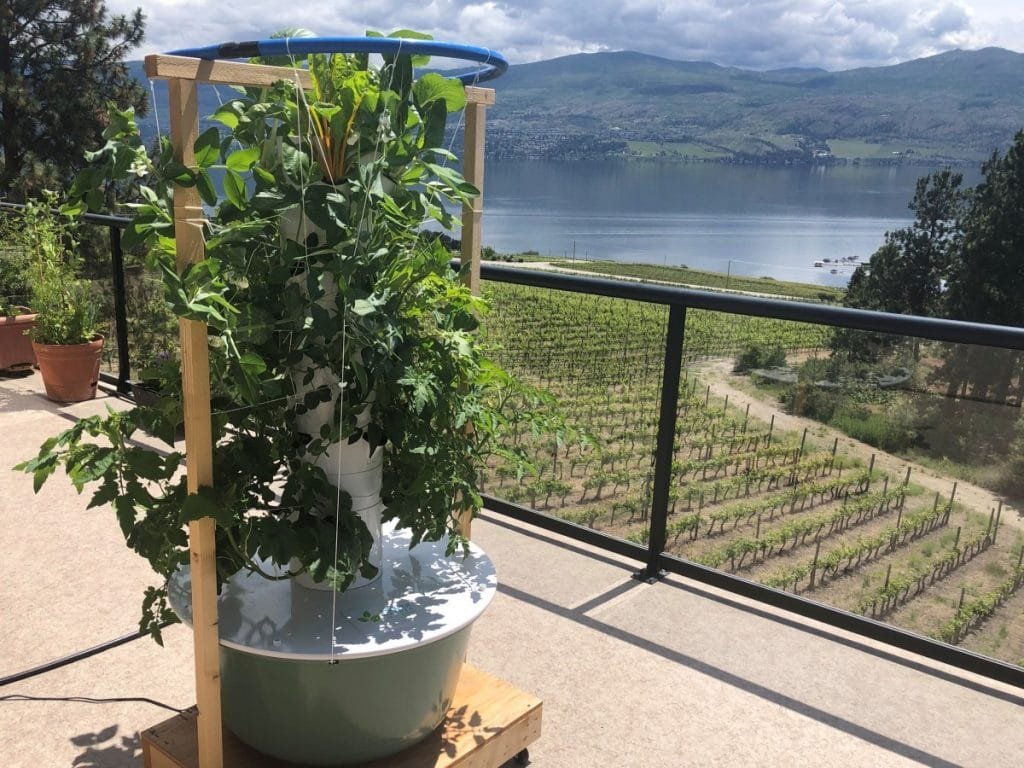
[195, 377]
[477, 101]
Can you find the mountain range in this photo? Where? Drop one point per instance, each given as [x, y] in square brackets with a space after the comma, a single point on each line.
[957, 106]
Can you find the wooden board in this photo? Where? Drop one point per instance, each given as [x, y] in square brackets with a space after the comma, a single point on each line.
[161, 66]
[489, 722]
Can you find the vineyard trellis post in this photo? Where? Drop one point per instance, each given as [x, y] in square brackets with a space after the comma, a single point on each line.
[671, 376]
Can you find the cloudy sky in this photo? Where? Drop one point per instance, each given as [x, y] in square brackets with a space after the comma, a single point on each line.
[761, 34]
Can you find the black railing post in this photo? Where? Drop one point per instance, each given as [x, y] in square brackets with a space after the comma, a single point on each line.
[120, 310]
[665, 448]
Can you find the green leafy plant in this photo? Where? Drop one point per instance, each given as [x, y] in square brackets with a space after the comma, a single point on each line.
[14, 267]
[67, 308]
[320, 294]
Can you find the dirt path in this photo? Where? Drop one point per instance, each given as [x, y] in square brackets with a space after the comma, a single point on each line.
[718, 375]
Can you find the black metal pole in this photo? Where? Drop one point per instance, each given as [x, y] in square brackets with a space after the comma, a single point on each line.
[664, 449]
[120, 310]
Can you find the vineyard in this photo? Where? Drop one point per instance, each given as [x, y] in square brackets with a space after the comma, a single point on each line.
[745, 497]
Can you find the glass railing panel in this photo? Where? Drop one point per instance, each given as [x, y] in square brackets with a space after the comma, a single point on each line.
[877, 474]
[602, 358]
[881, 483]
[152, 326]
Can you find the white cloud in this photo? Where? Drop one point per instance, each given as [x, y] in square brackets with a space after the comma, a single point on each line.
[835, 34]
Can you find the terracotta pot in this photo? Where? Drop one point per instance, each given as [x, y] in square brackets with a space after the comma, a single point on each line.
[70, 371]
[15, 346]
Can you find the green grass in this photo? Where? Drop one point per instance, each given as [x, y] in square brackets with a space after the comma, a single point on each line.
[687, 276]
[675, 150]
[853, 149]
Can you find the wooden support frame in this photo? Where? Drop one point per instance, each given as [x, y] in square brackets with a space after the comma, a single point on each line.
[478, 99]
[183, 74]
[165, 67]
[195, 381]
[489, 722]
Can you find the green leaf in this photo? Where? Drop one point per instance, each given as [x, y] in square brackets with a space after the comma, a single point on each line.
[241, 160]
[204, 504]
[205, 186]
[294, 162]
[412, 34]
[105, 494]
[363, 307]
[434, 87]
[179, 174]
[147, 464]
[253, 364]
[207, 148]
[234, 188]
[76, 208]
[435, 116]
[227, 115]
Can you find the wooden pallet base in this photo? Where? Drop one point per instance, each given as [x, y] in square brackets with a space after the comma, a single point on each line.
[489, 722]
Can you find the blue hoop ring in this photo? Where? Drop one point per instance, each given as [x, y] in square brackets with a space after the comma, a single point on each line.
[494, 63]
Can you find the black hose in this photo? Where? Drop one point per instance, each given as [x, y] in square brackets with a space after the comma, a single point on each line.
[64, 661]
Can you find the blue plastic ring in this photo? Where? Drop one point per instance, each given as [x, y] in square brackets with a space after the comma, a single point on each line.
[494, 63]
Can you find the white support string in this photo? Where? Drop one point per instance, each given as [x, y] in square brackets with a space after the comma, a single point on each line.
[314, 137]
[156, 110]
[462, 112]
[304, 237]
[337, 504]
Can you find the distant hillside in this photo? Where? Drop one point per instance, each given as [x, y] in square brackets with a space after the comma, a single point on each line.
[953, 107]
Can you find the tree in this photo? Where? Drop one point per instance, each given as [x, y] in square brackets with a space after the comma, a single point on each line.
[60, 63]
[986, 282]
[908, 273]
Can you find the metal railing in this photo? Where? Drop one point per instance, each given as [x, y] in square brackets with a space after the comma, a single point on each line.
[653, 557]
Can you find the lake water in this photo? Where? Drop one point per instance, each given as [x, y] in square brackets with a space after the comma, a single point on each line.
[751, 220]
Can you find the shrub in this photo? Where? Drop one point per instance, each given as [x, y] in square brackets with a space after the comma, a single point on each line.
[805, 399]
[890, 430]
[760, 357]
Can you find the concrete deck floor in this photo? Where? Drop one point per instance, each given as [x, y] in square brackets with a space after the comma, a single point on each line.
[632, 675]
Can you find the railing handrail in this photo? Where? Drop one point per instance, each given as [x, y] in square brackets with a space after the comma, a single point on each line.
[933, 328]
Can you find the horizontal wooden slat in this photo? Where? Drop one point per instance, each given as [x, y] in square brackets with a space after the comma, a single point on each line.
[161, 66]
[477, 95]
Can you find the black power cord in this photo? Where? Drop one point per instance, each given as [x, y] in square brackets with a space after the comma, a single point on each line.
[90, 700]
[65, 660]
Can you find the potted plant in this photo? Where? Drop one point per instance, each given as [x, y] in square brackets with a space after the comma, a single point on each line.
[64, 337]
[16, 320]
[347, 386]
